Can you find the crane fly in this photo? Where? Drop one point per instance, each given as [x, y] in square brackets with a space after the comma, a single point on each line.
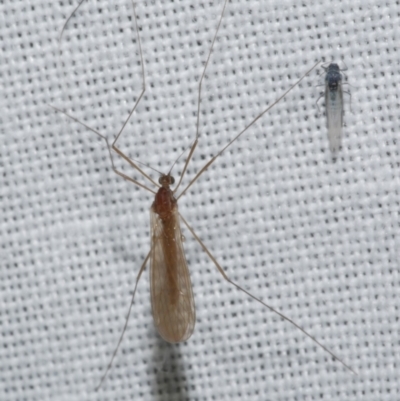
[172, 298]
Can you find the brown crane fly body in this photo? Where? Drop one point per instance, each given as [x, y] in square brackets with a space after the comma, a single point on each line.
[172, 300]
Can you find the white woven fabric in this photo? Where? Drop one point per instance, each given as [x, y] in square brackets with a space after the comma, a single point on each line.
[315, 239]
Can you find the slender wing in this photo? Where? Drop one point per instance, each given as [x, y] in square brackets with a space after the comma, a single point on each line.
[334, 116]
[172, 299]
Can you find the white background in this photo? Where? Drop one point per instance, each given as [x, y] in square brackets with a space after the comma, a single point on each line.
[316, 239]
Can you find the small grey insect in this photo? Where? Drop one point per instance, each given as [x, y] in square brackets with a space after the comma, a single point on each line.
[334, 106]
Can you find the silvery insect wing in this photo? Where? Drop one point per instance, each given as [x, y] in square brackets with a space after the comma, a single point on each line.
[334, 107]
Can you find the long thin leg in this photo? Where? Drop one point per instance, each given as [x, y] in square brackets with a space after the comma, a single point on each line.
[316, 102]
[120, 173]
[126, 323]
[68, 19]
[193, 147]
[113, 146]
[205, 67]
[199, 96]
[345, 67]
[348, 93]
[221, 270]
[211, 161]
[325, 68]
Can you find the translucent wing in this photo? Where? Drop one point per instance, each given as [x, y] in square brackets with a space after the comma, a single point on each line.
[334, 115]
[172, 299]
